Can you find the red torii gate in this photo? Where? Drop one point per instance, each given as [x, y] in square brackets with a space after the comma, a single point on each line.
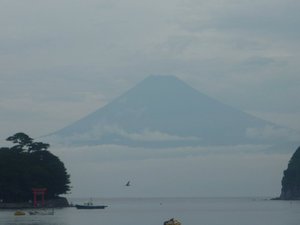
[36, 192]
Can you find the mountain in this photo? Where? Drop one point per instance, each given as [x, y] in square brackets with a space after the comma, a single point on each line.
[163, 111]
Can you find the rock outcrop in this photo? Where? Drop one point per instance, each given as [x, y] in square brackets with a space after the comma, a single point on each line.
[291, 179]
[172, 222]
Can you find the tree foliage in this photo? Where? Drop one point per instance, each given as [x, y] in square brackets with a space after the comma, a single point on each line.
[291, 178]
[27, 165]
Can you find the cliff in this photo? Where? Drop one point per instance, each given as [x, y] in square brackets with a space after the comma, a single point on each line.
[291, 179]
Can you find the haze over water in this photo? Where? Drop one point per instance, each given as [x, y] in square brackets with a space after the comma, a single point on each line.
[154, 211]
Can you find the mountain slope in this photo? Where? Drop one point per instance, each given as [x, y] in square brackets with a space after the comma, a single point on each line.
[163, 111]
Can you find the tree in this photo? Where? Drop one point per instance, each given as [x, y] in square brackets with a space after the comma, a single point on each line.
[28, 165]
[25, 143]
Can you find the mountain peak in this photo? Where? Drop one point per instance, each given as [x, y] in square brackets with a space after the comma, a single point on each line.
[161, 82]
[162, 79]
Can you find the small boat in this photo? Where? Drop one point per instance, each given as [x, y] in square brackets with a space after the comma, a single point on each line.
[90, 205]
[20, 213]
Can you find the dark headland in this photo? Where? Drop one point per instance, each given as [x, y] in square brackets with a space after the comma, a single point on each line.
[290, 182]
[30, 175]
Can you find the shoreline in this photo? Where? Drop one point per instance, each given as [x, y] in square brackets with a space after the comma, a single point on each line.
[51, 203]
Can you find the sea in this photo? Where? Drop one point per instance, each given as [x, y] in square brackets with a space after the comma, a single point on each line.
[154, 211]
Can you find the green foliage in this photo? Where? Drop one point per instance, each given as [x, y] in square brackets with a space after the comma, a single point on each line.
[25, 143]
[291, 178]
[28, 165]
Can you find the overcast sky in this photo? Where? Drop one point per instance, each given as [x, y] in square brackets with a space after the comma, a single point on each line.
[62, 59]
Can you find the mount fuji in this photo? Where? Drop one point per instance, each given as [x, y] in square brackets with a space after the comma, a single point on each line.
[163, 111]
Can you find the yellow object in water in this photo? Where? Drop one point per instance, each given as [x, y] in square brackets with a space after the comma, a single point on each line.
[19, 213]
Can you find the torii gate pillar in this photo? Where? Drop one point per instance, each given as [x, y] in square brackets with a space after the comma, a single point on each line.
[36, 192]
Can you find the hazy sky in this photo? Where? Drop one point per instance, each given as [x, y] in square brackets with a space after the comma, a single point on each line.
[61, 60]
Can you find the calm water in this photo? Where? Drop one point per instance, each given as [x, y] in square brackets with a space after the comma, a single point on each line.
[153, 211]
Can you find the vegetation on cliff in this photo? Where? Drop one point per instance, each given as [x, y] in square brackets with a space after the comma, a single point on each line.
[28, 164]
[291, 178]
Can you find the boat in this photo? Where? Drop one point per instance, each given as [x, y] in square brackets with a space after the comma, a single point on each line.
[90, 205]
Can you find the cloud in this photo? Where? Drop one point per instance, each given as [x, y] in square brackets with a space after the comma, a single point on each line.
[100, 132]
[258, 62]
[116, 153]
[255, 17]
[148, 135]
[271, 132]
[283, 119]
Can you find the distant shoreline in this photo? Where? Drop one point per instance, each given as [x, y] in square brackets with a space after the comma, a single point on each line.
[52, 203]
[289, 199]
